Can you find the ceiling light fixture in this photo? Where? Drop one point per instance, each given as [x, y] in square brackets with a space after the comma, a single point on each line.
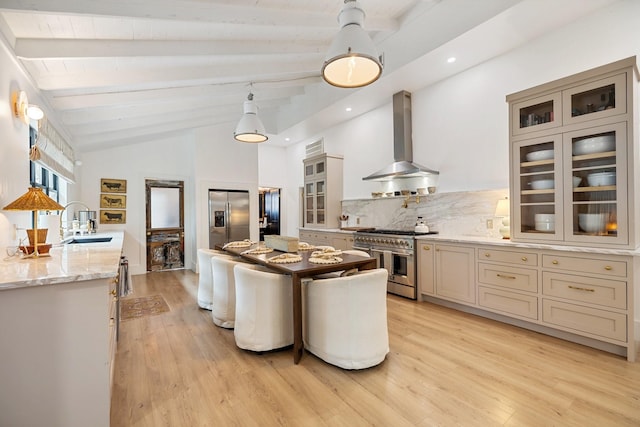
[34, 112]
[250, 127]
[451, 60]
[352, 60]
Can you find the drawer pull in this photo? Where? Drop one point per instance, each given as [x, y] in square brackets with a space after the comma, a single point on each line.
[504, 276]
[487, 255]
[426, 248]
[113, 292]
[554, 262]
[608, 268]
[577, 288]
[524, 258]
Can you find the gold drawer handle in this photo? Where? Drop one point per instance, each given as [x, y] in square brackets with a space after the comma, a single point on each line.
[426, 248]
[554, 262]
[577, 288]
[113, 292]
[608, 268]
[504, 276]
[487, 255]
[524, 258]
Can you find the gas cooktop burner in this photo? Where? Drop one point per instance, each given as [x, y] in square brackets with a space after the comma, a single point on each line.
[398, 232]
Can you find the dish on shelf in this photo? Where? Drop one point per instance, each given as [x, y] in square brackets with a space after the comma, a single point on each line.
[592, 222]
[534, 156]
[545, 226]
[596, 144]
[601, 178]
[376, 195]
[542, 184]
[544, 217]
[576, 181]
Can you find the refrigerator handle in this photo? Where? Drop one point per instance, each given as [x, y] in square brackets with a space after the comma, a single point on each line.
[227, 212]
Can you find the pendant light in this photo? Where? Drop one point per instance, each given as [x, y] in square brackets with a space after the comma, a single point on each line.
[250, 127]
[352, 60]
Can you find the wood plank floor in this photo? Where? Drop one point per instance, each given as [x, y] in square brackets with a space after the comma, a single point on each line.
[445, 368]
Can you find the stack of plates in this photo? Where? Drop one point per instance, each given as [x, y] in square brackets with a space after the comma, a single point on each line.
[545, 222]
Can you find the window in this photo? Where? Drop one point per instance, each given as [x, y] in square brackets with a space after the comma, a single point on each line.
[39, 176]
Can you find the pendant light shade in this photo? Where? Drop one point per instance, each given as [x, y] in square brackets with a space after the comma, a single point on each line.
[352, 60]
[250, 127]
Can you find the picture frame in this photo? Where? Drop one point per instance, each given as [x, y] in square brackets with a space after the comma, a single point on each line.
[110, 185]
[113, 216]
[113, 201]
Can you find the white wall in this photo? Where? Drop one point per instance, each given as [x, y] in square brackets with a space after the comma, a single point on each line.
[460, 125]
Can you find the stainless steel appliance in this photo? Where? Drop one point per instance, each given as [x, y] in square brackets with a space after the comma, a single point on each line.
[394, 251]
[228, 216]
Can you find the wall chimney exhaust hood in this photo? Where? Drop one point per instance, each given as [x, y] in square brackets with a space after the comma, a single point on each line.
[403, 167]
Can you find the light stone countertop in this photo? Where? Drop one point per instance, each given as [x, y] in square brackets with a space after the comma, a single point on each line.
[507, 243]
[67, 263]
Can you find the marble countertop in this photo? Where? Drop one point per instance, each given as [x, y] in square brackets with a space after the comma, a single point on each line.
[494, 241]
[66, 263]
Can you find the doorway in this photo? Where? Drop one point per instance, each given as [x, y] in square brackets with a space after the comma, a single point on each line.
[269, 211]
[165, 224]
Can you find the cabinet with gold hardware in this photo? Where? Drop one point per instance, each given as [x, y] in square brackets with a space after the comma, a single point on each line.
[339, 240]
[425, 272]
[587, 295]
[455, 273]
[506, 285]
[574, 156]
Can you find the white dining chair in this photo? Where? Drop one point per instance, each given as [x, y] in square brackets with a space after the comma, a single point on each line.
[205, 276]
[345, 319]
[264, 309]
[223, 308]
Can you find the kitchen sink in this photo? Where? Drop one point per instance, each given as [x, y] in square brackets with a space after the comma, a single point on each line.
[86, 239]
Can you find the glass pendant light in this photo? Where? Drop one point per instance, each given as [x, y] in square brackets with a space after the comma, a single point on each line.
[352, 60]
[250, 127]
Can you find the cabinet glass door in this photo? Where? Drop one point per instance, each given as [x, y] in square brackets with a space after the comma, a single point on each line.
[538, 189]
[536, 114]
[599, 99]
[309, 205]
[596, 169]
[320, 202]
[320, 167]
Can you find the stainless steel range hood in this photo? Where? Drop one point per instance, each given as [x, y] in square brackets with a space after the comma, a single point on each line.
[403, 167]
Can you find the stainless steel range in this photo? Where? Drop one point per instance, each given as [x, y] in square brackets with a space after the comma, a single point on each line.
[394, 250]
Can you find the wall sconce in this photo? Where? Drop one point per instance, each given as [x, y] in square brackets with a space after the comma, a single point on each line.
[352, 60]
[250, 127]
[23, 110]
[502, 211]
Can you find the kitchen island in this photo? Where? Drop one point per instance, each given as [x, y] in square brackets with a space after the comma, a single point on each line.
[58, 325]
[582, 294]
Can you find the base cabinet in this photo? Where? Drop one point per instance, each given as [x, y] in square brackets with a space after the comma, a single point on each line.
[339, 240]
[589, 297]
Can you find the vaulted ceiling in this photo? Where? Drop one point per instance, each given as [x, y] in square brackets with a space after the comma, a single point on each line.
[123, 71]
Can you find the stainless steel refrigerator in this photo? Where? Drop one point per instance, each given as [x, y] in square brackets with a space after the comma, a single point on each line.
[228, 216]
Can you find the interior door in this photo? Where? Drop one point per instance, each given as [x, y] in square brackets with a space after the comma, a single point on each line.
[165, 224]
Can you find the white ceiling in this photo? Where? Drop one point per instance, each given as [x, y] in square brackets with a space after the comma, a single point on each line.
[123, 71]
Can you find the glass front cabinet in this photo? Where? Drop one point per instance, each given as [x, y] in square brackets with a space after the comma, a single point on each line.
[574, 155]
[322, 191]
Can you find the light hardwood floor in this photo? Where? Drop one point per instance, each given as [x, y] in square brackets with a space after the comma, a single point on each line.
[445, 368]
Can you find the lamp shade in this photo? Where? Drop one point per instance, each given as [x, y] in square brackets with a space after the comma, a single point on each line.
[250, 127]
[34, 200]
[352, 60]
[502, 208]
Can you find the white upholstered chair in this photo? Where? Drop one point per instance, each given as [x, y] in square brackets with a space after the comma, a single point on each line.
[264, 312]
[205, 276]
[345, 319]
[223, 308]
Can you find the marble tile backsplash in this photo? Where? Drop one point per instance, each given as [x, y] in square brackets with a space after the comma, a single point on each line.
[459, 213]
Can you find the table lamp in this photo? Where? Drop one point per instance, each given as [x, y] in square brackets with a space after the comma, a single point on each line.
[502, 211]
[34, 200]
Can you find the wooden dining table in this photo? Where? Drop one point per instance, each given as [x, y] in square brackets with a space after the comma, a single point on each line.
[298, 271]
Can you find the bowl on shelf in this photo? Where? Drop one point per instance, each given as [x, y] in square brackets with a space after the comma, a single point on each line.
[376, 195]
[601, 178]
[593, 222]
[539, 155]
[576, 181]
[596, 144]
[542, 184]
[545, 222]
[422, 191]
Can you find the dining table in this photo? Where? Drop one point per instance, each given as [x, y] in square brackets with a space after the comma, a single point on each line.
[298, 271]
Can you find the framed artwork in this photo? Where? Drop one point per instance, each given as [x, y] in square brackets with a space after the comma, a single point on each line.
[113, 216]
[113, 201]
[108, 185]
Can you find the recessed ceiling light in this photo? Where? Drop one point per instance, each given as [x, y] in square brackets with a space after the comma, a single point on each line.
[451, 60]
[287, 139]
[347, 109]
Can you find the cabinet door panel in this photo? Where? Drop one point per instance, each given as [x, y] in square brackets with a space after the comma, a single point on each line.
[595, 100]
[609, 293]
[455, 278]
[508, 302]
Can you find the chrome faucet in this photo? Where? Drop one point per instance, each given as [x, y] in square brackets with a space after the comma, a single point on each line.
[62, 212]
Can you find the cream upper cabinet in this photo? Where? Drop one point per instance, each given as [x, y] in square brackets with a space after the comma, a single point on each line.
[322, 191]
[573, 159]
